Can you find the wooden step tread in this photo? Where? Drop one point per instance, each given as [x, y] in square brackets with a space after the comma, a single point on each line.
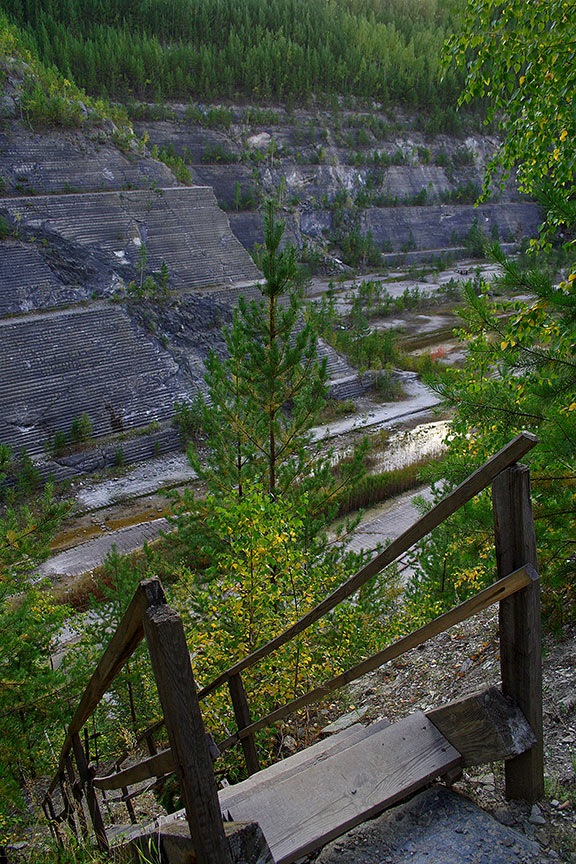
[326, 797]
[312, 755]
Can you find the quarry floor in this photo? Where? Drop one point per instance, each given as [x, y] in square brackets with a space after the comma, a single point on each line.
[130, 507]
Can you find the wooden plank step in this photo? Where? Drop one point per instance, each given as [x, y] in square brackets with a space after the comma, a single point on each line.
[313, 755]
[326, 798]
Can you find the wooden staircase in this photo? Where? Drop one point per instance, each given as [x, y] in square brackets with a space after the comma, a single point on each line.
[310, 800]
[294, 807]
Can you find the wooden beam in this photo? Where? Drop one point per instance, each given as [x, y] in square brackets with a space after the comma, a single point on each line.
[503, 588]
[477, 481]
[299, 761]
[484, 727]
[147, 769]
[152, 767]
[243, 719]
[520, 625]
[177, 690]
[91, 800]
[124, 642]
[171, 844]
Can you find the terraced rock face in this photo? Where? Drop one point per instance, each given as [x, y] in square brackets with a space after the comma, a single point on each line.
[90, 244]
[65, 162]
[95, 360]
[125, 363]
[341, 171]
[84, 221]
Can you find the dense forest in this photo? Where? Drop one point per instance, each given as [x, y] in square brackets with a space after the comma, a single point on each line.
[287, 50]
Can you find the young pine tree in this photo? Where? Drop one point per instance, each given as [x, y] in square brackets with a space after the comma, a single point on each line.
[266, 395]
[256, 548]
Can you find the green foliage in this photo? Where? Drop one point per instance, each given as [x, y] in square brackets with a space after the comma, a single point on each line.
[375, 488]
[151, 286]
[30, 717]
[464, 193]
[476, 241]
[49, 97]
[188, 421]
[69, 850]
[520, 373]
[4, 228]
[265, 571]
[350, 334]
[282, 50]
[357, 248]
[386, 386]
[218, 153]
[59, 442]
[518, 57]
[266, 394]
[47, 108]
[462, 156]
[81, 429]
[176, 163]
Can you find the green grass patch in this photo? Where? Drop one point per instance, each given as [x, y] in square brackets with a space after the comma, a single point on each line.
[375, 488]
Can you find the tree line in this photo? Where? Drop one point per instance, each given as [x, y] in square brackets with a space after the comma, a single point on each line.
[210, 49]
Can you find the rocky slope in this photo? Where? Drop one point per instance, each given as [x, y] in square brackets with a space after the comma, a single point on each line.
[116, 278]
[339, 172]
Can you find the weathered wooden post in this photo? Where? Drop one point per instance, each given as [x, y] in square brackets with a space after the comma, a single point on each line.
[88, 790]
[177, 690]
[520, 625]
[243, 719]
[67, 800]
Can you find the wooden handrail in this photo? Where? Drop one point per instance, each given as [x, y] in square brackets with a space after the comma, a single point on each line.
[494, 593]
[126, 639]
[150, 596]
[163, 762]
[474, 484]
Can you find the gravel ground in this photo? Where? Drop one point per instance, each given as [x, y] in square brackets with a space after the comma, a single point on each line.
[460, 662]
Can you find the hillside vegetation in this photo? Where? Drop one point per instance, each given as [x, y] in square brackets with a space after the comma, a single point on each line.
[282, 50]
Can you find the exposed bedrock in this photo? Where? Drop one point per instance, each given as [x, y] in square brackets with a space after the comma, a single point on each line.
[84, 222]
[93, 241]
[125, 363]
[64, 162]
[411, 191]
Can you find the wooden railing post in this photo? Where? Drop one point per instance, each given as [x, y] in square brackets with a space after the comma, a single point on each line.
[88, 790]
[520, 625]
[177, 690]
[67, 802]
[243, 719]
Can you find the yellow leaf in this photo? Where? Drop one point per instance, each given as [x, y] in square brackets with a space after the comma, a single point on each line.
[12, 537]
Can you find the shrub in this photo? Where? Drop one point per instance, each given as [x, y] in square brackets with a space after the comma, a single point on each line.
[81, 429]
[59, 442]
[188, 420]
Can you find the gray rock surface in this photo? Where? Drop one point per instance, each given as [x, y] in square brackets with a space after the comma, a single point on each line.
[437, 826]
